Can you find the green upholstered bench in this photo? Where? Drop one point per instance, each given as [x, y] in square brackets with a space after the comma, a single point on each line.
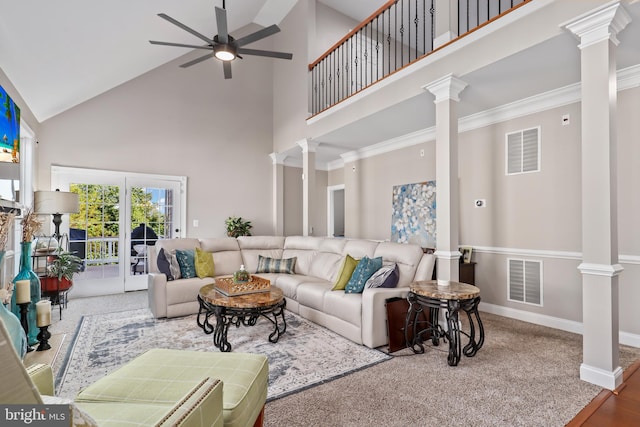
[163, 375]
[196, 403]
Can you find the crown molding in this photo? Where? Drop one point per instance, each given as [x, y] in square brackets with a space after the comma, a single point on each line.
[628, 78]
[602, 23]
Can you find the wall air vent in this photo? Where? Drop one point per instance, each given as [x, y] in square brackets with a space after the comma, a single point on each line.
[523, 151]
[525, 281]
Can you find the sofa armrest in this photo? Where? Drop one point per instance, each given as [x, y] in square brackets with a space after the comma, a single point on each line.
[374, 314]
[157, 294]
[42, 377]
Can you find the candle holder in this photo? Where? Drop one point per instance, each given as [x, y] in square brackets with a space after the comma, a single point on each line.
[24, 321]
[43, 337]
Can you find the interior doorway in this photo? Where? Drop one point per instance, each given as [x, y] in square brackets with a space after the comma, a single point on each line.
[335, 214]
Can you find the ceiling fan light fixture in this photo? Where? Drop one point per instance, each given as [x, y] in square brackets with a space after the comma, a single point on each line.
[224, 52]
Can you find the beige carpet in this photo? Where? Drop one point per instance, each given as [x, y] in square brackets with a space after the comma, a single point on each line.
[525, 375]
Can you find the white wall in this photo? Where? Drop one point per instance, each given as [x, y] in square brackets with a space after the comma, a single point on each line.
[533, 216]
[177, 121]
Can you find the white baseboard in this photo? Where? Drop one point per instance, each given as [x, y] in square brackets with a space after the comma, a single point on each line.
[597, 376]
[626, 338]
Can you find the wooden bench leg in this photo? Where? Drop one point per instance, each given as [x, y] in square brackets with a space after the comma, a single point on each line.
[260, 420]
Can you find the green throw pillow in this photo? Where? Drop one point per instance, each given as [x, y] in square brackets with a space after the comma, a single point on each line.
[345, 273]
[204, 264]
[364, 270]
[186, 260]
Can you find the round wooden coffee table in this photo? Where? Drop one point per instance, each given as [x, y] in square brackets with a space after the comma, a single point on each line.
[240, 310]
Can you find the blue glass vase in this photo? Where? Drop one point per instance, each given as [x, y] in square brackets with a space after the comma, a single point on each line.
[12, 323]
[27, 273]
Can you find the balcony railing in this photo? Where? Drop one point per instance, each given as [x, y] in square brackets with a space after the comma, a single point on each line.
[396, 35]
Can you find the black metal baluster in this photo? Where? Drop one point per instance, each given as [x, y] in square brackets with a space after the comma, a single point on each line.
[389, 42]
[432, 12]
[424, 27]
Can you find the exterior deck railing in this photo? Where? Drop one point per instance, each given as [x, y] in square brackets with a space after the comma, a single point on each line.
[396, 35]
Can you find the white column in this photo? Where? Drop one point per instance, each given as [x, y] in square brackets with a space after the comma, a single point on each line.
[600, 269]
[308, 184]
[278, 192]
[446, 22]
[447, 90]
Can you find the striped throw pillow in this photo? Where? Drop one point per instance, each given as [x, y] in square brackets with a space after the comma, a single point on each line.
[276, 265]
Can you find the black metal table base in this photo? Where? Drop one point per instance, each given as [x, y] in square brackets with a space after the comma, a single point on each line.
[435, 332]
[227, 316]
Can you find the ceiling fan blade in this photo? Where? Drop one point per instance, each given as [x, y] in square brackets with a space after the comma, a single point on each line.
[258, 35]
[197, 60]
[226, 66]
[184, 27]
[221, 21]
[180, 45]
[268, 53]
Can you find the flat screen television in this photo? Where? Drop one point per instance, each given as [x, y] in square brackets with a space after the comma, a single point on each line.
[9, 129]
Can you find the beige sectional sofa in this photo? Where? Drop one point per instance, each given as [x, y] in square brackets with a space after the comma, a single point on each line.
[358, 317]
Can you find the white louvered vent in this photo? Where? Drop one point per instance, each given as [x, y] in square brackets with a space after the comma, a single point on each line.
[523, 151]
[525, 281]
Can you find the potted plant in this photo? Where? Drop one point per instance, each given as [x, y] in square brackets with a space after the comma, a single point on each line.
[60, 270]
[236, 226]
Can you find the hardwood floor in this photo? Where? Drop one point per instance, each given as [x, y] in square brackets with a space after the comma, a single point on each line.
[620, 408]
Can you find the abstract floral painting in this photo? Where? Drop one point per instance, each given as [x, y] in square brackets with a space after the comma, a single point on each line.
[413, 219]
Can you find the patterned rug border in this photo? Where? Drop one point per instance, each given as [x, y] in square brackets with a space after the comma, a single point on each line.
[63, 371]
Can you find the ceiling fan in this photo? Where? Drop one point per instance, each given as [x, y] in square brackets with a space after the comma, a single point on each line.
[223, 46]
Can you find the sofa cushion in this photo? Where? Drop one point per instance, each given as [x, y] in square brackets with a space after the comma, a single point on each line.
[365, 269]
[261, 242]
[289, 283]
[326, 265]
[311, 294]
[347, 307]
[276, 265]
[385, 277]
[360, 248]
[169, 246]
[254, 246]
[185, 290]
[304, 249]
[344, 274]
[204, 264]
[227, 263]
[406, 256]
[186, 260]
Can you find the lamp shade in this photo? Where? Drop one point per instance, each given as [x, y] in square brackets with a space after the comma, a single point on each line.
[55, 202]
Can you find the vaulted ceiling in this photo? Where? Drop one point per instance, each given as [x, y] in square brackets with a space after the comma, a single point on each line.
[61, 53]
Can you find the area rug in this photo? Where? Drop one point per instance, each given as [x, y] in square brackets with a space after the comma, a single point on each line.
[306, 355]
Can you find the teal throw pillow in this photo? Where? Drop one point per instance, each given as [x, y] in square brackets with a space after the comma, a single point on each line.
[364, 270]
[187, 262]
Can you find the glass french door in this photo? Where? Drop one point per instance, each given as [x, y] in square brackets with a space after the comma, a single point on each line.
[154, 213]
[112, 205]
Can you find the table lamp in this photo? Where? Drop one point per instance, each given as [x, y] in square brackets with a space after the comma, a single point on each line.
[56, 203]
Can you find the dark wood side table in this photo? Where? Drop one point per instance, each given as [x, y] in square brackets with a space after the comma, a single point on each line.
[468, 273]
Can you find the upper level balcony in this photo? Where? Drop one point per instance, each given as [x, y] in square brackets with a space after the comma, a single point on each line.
[508, 57]
[398, 34]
